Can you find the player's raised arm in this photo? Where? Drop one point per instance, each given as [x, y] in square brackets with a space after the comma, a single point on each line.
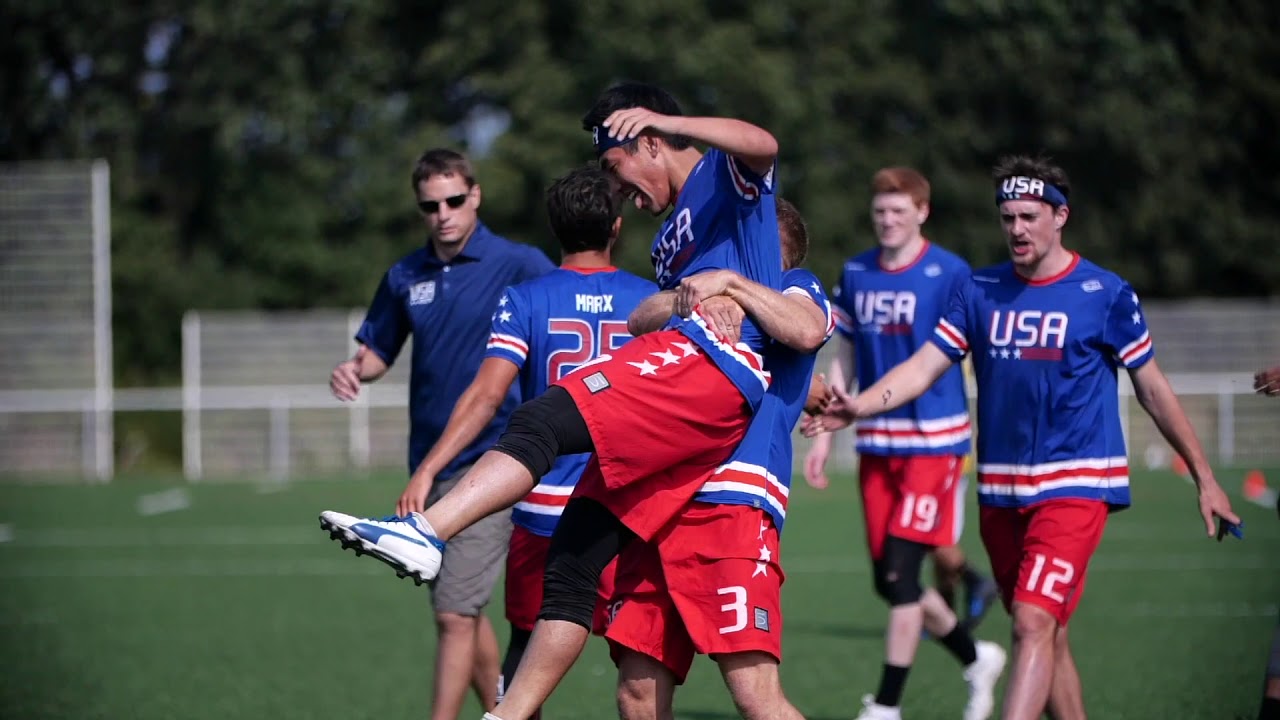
[1157, 397]
[904, 383]
[753, 145]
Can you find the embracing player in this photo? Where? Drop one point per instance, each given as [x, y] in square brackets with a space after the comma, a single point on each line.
[1048, 332]
[911, 460]
[660, 413]
[710, 583]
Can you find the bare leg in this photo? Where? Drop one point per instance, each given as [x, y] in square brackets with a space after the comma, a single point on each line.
[1066, 697]
[484, 675]
[496, 482]
[455, 664]
[646, 688]
[1027, 692]
[753, 682]
[554, 647]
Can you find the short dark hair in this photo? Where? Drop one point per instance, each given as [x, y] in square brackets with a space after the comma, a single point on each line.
[1039, 167]
[632, 95]
[442, 161]
[793, 233]
[582, 207]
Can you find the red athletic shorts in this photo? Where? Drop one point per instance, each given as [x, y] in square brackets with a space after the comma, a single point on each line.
[526, 564]
[1039, 554]
[710, 583]
[662, 417]
[915, 497]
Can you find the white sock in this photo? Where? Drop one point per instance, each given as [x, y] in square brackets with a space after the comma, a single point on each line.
[426, 526]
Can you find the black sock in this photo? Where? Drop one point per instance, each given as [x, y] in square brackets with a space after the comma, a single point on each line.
[891, 683]
[948, 596]
[1270, 709]
[960, 643]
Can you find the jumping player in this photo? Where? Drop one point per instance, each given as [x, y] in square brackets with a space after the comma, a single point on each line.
[711, 582]
[1048, 332]
[661, 412]
[911, 461]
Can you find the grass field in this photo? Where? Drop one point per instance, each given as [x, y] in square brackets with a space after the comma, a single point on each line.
[238, 606]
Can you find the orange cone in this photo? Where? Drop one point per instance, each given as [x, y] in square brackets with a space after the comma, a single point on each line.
[1255, 485]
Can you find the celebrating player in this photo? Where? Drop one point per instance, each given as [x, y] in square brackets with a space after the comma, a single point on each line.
[1047, 331]
[1267, 382]
[911, 460]
[689, 590]
[661, 412]
[443, 294]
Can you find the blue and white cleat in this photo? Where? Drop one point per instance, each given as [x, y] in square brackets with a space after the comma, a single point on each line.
[407, 543]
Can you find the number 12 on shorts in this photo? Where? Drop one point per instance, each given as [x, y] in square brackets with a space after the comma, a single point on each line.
[1046, 583]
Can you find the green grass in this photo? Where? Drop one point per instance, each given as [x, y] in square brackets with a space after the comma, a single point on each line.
[239, 606]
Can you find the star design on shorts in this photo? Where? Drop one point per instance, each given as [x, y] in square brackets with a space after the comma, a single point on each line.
[687, 348]
[762, 566]
[503, 301]
[1137, 317]
[646, 367]
[668, 357]
[1004, 353]
[504, 316]
[763, 528]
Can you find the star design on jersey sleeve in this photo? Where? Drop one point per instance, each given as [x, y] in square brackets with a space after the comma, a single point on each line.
[504, 316]
[1137, 317]
[1135, 298]
[503, 301]
[817, 289]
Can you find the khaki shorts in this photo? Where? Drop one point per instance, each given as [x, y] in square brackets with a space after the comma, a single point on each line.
[473, 559]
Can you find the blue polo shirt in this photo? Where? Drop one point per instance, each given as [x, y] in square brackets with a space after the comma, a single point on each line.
[449, 309]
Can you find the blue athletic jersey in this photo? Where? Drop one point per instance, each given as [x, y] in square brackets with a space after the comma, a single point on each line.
[888, 315]
[548, 327]
[446, 307]
[724, 218]
[1045, 356]
[759, 471]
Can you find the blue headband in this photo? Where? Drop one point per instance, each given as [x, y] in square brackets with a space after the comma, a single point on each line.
[600, 138]
[1020, 187]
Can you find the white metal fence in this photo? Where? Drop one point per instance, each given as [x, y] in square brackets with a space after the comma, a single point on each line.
[55, 318]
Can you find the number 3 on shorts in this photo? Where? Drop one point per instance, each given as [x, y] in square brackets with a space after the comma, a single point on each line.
[737, 606]
[1061, 572]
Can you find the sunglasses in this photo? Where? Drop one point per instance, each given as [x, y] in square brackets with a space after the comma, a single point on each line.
[431, 207]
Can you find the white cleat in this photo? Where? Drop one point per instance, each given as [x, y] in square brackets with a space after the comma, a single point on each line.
[407, 544]
[872, 711]
[982, 677]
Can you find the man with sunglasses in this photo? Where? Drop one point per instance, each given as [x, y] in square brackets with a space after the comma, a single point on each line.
[445, 294]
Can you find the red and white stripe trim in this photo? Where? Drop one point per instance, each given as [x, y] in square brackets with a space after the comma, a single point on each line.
[510, 343]
[741, 352]
[546, 499]
[747, 479]
[1136, 350]
[908, 433]
[748, 189]
[824, 305]
[951, 335]
[1027, 481]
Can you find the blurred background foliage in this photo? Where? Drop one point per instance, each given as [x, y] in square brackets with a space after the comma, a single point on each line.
[261, 151]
